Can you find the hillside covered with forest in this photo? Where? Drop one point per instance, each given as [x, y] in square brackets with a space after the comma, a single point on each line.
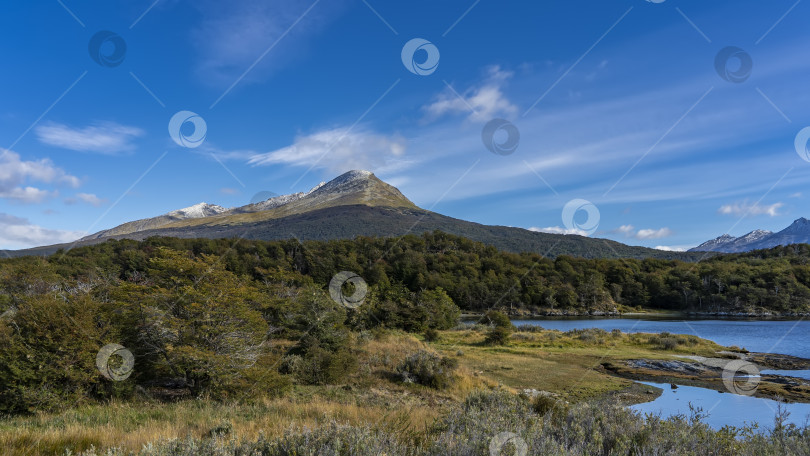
[475, 276]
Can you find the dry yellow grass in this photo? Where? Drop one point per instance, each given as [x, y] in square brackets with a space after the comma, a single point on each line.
[372, 397]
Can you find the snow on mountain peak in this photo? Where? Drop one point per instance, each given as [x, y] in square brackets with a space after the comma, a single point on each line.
[198, 211]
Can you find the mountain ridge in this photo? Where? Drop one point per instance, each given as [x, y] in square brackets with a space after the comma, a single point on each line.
[797, 232]
[354, 204]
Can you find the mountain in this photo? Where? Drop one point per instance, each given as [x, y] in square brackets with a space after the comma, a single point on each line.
[356, 203]
[797, 233]
[730, 244]
[197, 211]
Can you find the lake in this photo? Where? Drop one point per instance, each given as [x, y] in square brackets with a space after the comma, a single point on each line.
[789, 337]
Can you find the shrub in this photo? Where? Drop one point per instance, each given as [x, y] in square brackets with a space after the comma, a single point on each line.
[319, 366]
[543, 404]
[431, 335]
[497, 318]
[668, 343]
[498, 335]
[501, 329]
[530, 328]
[428, 369]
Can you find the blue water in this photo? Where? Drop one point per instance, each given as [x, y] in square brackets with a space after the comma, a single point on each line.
[722, 408]
[789, 337]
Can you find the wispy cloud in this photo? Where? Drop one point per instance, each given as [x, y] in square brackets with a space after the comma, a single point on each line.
[339, 150]
[15, 173]
[16, 232]
[482, 102]
[234, 35]
[88, 198]
[103, 137]
[745, 208]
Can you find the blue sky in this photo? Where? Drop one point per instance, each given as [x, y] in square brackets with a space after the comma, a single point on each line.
[618, 104]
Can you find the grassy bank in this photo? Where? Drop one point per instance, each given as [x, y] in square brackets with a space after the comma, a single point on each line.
[566, 366]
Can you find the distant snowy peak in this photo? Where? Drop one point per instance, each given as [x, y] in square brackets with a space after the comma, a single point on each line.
[755, 236]
[271, 203]
[727, 243]
[714, 243]
[198, 211]
[797, 233]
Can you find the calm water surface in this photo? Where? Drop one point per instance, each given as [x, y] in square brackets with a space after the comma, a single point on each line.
[723, 408]
[789, 337]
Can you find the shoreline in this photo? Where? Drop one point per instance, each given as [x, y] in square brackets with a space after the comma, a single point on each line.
[467, 316]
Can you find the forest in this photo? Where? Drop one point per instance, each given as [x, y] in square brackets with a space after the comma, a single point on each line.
[227, 318]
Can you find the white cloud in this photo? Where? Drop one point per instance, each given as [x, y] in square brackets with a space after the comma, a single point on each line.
[672, 248]
[15, 173]
[744, 208]
[630, 232]
[559, 230]
[627, 230]
[88, 198]
[339, 150]
[653, 234]
[482, 103]
[16, 233]
[229, 191]
[104, 137]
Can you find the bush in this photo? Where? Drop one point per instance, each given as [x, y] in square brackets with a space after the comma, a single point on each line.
[316, 365]
[497, 318]
[428, 369]
[324, 353]
[498, 335]
[431, 335]
[668, 343]
[665, 341]
[501, 329]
